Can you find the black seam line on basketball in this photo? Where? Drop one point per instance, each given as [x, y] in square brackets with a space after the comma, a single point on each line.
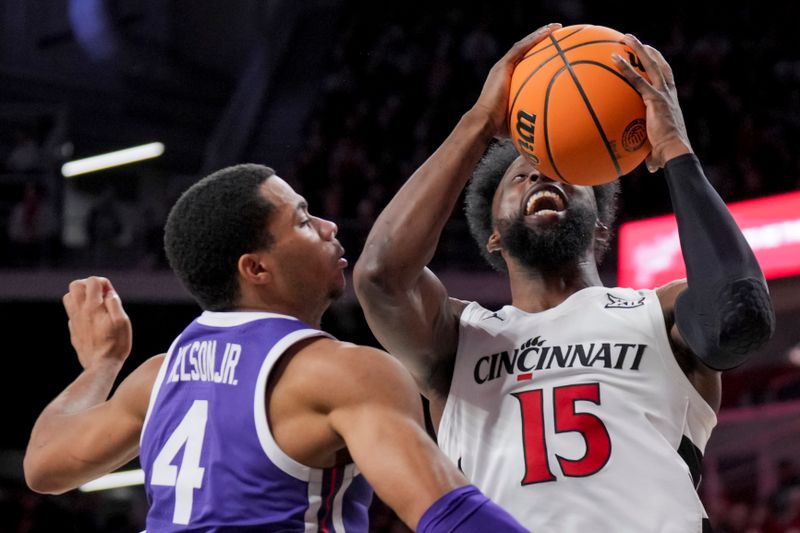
[522, 86]
[548, 46]
[573, 47]
[610, 70]
[591, 109]
[543, 63]
[544, 120]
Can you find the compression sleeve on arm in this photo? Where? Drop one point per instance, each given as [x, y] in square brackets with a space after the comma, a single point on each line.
[725, 313]
[466, 510]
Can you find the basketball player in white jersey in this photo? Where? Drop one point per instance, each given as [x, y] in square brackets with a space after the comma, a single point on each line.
[255, 420]
[579, 408]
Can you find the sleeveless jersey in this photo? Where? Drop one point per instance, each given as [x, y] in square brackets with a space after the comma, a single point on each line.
[210, 461]
[578, 418]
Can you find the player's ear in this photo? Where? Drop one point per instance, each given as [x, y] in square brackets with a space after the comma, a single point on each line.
[602, 234]
[255, 268]
[493, 244]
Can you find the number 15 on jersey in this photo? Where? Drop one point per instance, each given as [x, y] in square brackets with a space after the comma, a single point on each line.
[565, 418]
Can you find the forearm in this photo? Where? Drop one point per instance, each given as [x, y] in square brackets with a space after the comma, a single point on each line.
[404, 238]
[725, 313]
[53, 460]
[401, 449]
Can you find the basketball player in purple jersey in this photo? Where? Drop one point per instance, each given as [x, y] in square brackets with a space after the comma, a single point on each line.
[577, 407]
[254, 420]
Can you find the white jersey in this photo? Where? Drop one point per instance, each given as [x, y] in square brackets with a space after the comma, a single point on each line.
[578, 418]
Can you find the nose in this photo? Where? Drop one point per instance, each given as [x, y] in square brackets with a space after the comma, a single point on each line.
[328, 229]
[535, 176]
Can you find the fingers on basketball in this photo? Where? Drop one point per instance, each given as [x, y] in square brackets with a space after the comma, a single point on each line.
[651, 65]
[522, 46]
[666, 70]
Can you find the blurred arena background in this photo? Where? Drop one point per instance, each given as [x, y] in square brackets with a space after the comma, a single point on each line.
[345, 99]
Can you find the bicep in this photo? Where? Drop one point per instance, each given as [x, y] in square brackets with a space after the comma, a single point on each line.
[667, 296]
[107, 438]
[114, 428]
[418, 325]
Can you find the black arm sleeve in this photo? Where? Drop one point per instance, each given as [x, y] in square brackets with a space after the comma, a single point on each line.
[725, 313]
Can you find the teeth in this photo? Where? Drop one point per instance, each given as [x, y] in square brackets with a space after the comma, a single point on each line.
[540, 195]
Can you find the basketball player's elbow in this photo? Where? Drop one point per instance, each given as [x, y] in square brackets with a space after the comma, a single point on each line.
[39, 477]
[746, 322]
[742, 334]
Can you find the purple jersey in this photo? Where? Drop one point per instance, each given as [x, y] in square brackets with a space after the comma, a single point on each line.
[209, 458]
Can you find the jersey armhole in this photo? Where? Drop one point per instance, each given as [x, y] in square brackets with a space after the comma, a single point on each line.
[447, 423]
[157, 386]
[271, 449]
[670, 364]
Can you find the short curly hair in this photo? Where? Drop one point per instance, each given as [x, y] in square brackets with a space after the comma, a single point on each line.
[483, 185]
[212, 224]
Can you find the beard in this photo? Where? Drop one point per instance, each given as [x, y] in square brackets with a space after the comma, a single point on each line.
[552, 249]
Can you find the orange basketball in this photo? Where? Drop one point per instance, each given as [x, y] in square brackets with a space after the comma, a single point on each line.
[572, 112]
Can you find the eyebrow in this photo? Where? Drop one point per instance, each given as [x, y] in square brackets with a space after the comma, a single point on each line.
[302, 205]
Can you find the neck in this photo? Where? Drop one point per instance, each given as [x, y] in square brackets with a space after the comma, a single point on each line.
[534, 290]
[308, 314]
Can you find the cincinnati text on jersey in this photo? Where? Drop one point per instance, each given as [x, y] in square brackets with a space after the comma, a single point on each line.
[535, 354]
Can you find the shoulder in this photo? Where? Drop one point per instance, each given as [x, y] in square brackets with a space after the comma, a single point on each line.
[468, 312]
[458, 306]
[330, 373]
[150, 368]
[668, 294]
[133, 393]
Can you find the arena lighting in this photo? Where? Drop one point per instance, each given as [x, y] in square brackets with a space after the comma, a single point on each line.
[112, 159]
[114, 480]
[650, 254]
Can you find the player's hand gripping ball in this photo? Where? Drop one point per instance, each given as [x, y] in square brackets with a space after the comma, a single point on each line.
[572, 113]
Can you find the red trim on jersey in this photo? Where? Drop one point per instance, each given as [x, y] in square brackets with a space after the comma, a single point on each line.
[329, 501]
[523, 377]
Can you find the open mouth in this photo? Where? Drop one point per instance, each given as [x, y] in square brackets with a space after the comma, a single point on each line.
[547, 201]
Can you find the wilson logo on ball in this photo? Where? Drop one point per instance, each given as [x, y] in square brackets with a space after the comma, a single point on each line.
[526, 124]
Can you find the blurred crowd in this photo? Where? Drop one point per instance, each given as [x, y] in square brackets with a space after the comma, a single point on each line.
[746, 513]
[400, 78]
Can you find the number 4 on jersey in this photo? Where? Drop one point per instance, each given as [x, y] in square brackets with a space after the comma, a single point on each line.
[189, 476]
[591, 428]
